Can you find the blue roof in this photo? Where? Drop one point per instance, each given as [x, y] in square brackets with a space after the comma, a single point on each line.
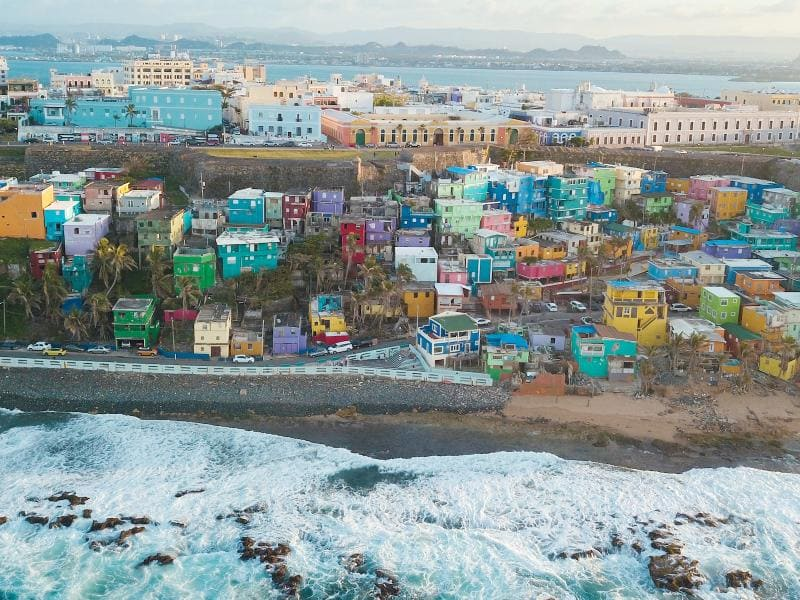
[726, 243]
[685, 229]
[498, 339]
[460, 170]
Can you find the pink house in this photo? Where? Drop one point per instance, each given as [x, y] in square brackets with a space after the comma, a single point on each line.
[541, 270]
[497, 220]
[700, 185]
[451, 271]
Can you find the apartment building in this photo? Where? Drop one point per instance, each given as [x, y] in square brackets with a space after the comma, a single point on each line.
[157, 71]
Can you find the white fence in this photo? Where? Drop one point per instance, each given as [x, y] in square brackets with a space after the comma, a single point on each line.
[462, 378]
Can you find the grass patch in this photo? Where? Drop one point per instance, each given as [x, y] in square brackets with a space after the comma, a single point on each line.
[172, 189]
[299, 153]
[757, 150]
[18, 250]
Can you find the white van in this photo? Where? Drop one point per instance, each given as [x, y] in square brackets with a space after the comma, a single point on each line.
[339, 347]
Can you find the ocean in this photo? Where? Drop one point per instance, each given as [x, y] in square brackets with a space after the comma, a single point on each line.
[494, 526]
[702, 85]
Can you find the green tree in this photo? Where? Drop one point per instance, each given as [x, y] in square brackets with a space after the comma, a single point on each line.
[75, 324]
[160, 272]
[98, 308]
[70, 104]
[24, 293]
[351, 245]
[111, 261]
[188, 292]
[130, 112]
[54, 291]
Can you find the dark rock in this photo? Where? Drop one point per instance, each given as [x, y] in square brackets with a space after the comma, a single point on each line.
[87, 513]
[279, 573]
[137, 520]
[243, 520]
[63, 521]
[739, 579]
[668, 546]
[590, 553]
[74, 500]
[386, 585]
[178, 524]
[109, 523]
[293, 584]
[637, 547]
[37, 519]
[161, 559]
[247, 542]
[183, 493]
[255, 508]
[616, 540]
[674, 573]
[3, 520]
[355, 562]
[126, 533]
[97, 545]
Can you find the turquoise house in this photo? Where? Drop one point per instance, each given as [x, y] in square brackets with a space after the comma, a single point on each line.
[58, 213]
[479, 268]
[604, 352]
[474, 184]
[246, 207]
[760, 239]
[567, 197]
[77, 273]
[247, 250]
[767, 214]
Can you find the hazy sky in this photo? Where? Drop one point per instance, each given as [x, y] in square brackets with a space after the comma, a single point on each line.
[595, 18]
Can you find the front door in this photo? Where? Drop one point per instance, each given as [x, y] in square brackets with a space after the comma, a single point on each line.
[361, 138]
[438, 138]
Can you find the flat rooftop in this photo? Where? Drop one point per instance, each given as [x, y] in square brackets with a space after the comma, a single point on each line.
[136, 304]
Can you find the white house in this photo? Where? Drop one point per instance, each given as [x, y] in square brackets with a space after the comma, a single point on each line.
[421, 261]
[449, 297]
[139, 201]
[299, 122]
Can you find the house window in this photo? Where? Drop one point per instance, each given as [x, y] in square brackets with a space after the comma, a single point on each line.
[455, 347]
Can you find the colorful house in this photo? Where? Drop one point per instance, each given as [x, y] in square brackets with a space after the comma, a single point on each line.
[56, 215]
[727, 202]
[719, 305]
[678, 185]
[296, 203]
[604, 352]
[479, 268]
[419, 300]
[654, 182]
[654, 203]
[700, 186]
[727, 249]
[526, 248]
[287, 335]
[273, 209]
[102, 196]
[670, 268]
[710, 269]
[246, 207]
[449, 297]
[162, 228]
[244, 250]
[568, 198]
[696, 237]
[22, 210]
[39, 259]
[325, 315]
[713, 335]
[497, 220]
[134, 322]
[448, 337]
[541, 270]
[328, 201]
[503, 353]
[601, 214]
[766, 215]
[412, 238]
[639, 309]
[734, 266]
[692, 213]
[458, 216]
[766, 320]
[83, 233]
[199, 264]
[77, 273]
[137, 202]
[498, 298]
[416, 215]
[772, 364]
[452, 271]
[760, 285]
[212, 331]
[754, 187]
[761, 239]
[520, 226]
[245, 342]
[789, 303]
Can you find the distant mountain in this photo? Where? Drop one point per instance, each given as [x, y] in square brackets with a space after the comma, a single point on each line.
[44, 41]
[582, 53]
[181, 44]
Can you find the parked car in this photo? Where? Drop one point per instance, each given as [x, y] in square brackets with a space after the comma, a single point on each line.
[365, 343]
[679, 307]
[54, 352]
[392, 145]
[39, 346]
[73, 348]
[587, 320]
[413, 145]
[305, 145]
[577, 306]
[243, 358]
[483, 321]
[104, 142]
[551, 306]
[340, 347]
[99, 350]
[536, 307]
[318, 351]
[147, 352]
[9, 345]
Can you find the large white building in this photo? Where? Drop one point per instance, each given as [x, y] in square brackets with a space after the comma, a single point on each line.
[772, 100]
[591, 97]
[286, 122]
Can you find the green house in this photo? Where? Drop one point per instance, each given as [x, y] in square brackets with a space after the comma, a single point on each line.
[719, 305]
[503, 353]
[458, 216]
[604, 352]
[134, 322]
[655, 203]
[199, 264]
[160, 228]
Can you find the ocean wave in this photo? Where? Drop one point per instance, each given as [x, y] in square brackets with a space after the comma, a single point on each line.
[496, 526]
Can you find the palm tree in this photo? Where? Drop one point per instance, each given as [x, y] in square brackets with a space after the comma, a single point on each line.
[116, 117]
[695, 345]
[370, 272]
[747, 356]
[351, 245]
[647, 370]
[188, 292]
[130, 112]
[695, 212]
[24, 293]
[99, 308]
[70, 104]
[674, 349]
[160, 276]
[75, 324]
[111, 261]
[54, 290]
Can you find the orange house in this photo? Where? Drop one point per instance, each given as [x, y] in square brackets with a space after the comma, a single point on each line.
[526, 248]
[549, 250]
[761, 285]
[677, 185]
[22, 210]
[727, 202]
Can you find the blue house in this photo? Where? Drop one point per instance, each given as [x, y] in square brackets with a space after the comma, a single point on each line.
[755, 187]
[654, 182]
[667, 268]
[479, 268]
[601, 214]
[246, 250]
[415, 217]
[475, 183]
[58, 213]
[448, 337]
[77, 273]
[246, 207]
[532, 196]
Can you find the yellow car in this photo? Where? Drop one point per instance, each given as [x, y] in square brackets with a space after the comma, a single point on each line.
[54, 352]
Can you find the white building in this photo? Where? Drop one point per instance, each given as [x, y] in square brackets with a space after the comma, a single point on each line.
[628, 183]
[137, 202]
[421, 261]
[290, 122]
[591, 97]
[710, 269]
[3, 71]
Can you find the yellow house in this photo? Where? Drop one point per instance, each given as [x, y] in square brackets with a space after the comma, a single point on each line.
[650, 236]
[551, 250]
[526, 248]
[574, 267]
[638, 308]
[22, 210]
[212, 330]
[771, 364]
[246, 342]
[325, 314]
[765, 321]
[727, 202]
[687, 291]
[375, 307]
[616, 250]
[520, 226]
[677, 185]
[419, 301]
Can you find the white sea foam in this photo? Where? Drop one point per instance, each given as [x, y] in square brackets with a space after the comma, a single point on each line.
[488, 526]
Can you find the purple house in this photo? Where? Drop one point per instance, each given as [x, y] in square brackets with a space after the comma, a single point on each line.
[683, 209]
[727, 249]
[787, 225]
[380, 229]
[412, 238]
[287, 334]
[329, 202]
[83, 232]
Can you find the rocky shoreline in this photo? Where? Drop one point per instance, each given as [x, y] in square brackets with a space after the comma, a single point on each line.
[278, 396]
